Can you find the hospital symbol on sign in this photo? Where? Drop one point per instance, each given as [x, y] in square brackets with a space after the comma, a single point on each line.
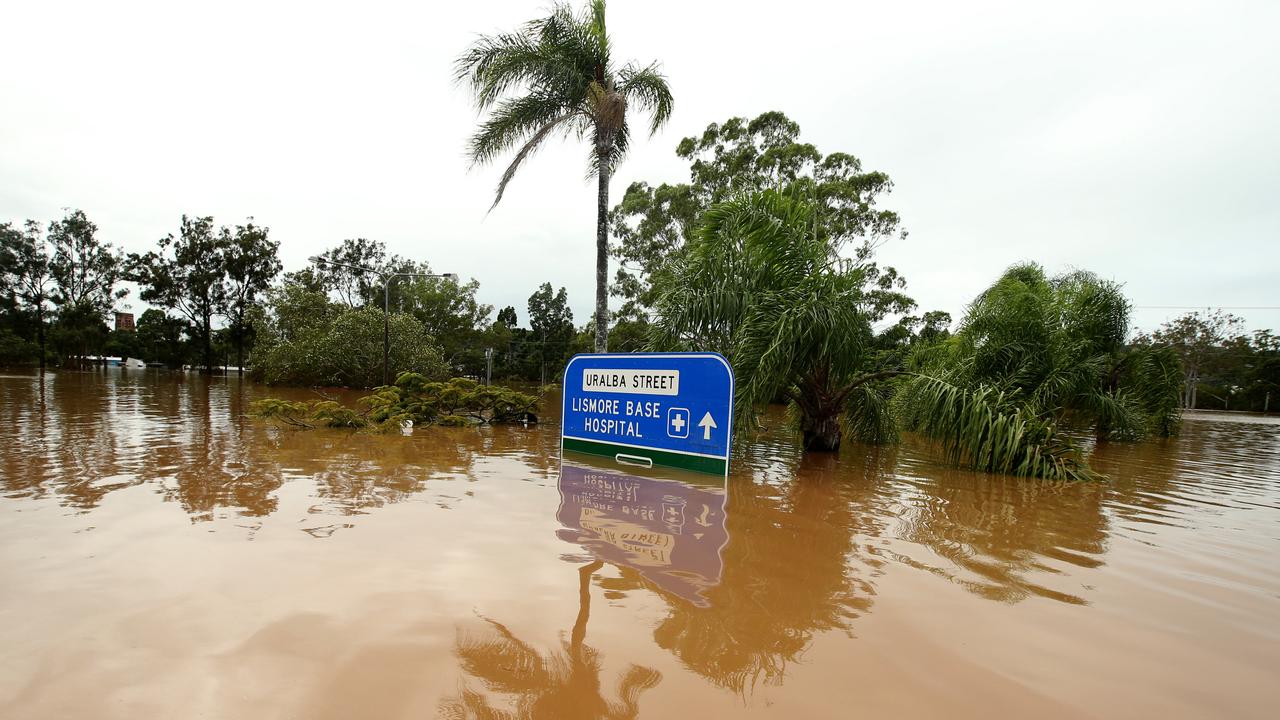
[678, 422]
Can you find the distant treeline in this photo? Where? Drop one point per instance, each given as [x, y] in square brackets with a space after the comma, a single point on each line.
[218, 298]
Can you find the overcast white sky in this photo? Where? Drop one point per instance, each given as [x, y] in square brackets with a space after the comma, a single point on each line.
[1140, 140]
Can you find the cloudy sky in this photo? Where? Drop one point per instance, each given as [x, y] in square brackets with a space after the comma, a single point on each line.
[1140, 140]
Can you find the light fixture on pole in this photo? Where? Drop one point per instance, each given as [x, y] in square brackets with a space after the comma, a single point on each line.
[387, 277]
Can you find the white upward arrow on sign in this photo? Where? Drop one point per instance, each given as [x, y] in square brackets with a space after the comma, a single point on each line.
[707, 423]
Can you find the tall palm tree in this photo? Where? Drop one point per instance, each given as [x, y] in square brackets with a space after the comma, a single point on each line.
[555, 76]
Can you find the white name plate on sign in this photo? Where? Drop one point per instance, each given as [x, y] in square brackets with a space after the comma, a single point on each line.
[635, 382]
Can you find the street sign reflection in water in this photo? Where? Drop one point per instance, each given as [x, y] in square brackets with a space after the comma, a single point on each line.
[672, 409]
[671, 532]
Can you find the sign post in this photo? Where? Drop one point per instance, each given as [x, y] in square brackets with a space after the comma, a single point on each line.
[672, 409]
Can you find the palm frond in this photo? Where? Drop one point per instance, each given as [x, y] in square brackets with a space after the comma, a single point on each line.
[647, 87]
[983, 430]
[868, 415]
[531, 146]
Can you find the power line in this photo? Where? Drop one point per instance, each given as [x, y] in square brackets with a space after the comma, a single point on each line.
[1206, 307]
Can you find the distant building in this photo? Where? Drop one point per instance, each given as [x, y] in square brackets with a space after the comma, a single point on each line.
[124, 321]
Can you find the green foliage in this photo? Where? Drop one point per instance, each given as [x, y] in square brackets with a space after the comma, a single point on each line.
[307, 340]
[24, 284]
[416, 398]
[340, 272]
[448, 309]
[85, 273]
[765, 286]
[16, 350]
[160, 338]
[1035, 355]
[84, 270]
[207, 271]
[986, 429]
[251, 261]
[413, 398]
[653, 225]
[313, 414]
[556, 76]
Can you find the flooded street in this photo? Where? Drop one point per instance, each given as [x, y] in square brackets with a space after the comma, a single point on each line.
[161, 555]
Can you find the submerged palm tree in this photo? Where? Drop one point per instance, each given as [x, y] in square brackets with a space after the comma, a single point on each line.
[1036, 354]
[1034, 358]
[556, 76]
[763, 285]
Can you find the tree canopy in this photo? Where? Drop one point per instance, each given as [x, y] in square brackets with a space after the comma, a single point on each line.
[739, 156]
[1034, 358]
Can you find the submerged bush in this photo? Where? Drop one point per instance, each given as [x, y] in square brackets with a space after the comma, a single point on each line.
[412, 399]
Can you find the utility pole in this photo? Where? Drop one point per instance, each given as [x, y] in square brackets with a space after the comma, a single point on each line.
[488, 366]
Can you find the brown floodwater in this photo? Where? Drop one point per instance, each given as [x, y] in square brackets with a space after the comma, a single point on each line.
[163, 556]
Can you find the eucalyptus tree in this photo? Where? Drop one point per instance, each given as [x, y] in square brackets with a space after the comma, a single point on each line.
[764, 286]
[1199, 339]
[24, 265]
[340, 271]
[556, 76]
[86, 273]
[251, 260]
[551, 323]
[188, 274]
[652, 224]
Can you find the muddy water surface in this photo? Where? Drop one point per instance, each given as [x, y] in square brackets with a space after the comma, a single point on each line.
[163, 556]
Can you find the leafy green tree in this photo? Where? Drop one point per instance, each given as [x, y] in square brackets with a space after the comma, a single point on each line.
[1036, 356]
[552, 333]
[1199, 339]
[79, 332]
[765, 287]
[507, 316]
[556, 76]
[85, 273]
[340, 272]
[449, 311]
[188, 274]
[654, 224]
[252, 262]
[160, 338]
[123, 344]
[305, 339]
[25, 273]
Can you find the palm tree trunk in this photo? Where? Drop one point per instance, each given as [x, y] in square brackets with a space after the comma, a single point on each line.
[822, 434]
[602, 253]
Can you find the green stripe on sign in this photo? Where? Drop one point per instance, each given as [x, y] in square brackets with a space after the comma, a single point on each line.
[715, 466]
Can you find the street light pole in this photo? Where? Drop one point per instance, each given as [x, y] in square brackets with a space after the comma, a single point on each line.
[386, 302]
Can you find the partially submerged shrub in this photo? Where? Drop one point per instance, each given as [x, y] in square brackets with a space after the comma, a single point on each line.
[416, 398]
[412, 399]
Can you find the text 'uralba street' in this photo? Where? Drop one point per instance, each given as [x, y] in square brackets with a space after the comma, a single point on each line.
[646, 382]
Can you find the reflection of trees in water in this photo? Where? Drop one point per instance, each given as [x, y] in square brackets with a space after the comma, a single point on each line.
[1214, 465]
[561, 684]
[355, 472]
[30, 429]
[792, 570]
[1001, 529]
[81, 436]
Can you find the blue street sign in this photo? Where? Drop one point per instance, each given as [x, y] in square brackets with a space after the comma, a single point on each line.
[673, 409]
